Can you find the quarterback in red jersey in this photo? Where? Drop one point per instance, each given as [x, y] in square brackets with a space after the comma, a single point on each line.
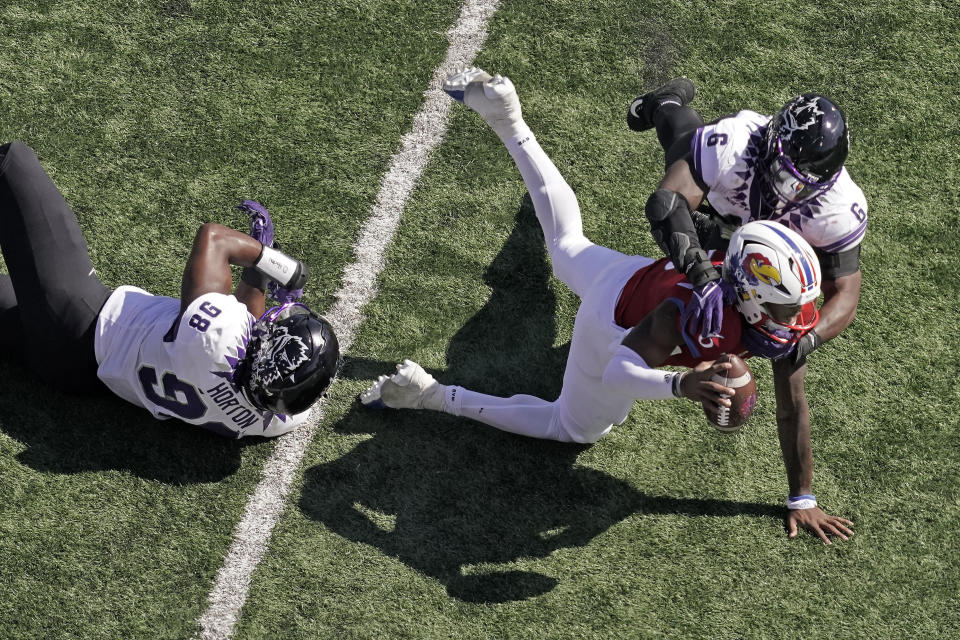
[629, 321]
[659, 282]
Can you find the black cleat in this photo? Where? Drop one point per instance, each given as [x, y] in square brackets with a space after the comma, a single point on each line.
[640, 114]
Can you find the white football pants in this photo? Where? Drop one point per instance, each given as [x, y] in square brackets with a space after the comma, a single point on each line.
[585, 410]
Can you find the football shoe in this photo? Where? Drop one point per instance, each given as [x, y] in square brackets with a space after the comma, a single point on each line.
[679, 91]
[493, 97]
[411, 387]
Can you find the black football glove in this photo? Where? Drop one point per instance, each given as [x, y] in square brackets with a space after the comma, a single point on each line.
[806, 345]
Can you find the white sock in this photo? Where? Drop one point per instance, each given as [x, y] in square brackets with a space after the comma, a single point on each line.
[521, 414]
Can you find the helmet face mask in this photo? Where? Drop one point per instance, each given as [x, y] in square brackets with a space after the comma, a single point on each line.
[788, 184]
[292, 357]
[807, 142]
[790, 330]
[776, 275]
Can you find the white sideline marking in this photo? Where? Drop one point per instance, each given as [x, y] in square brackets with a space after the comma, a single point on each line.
[252, 534]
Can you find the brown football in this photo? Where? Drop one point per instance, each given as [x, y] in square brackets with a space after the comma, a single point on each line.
[739, 377]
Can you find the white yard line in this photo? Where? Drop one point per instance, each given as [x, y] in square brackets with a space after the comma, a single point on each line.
[265, 507]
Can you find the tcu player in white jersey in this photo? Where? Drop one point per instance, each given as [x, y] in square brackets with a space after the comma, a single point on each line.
[628, 323]
[788, 168]
[213, 358]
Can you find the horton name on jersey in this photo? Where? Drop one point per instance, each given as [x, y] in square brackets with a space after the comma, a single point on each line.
[226, 399]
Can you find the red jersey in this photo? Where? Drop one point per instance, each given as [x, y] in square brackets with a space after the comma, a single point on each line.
[660, 281]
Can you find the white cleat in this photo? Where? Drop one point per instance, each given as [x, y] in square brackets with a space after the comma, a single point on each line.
[493, 97]
[409, 388]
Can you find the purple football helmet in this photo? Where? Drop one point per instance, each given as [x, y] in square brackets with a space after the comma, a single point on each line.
[806, 145]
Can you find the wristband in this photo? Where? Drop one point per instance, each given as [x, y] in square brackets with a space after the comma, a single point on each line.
[807, 344]
[288, 272]
[254, 278]
[677, 379]
[806, 501]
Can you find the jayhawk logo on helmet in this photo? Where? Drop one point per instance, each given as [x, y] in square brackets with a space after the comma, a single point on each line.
[758, 268]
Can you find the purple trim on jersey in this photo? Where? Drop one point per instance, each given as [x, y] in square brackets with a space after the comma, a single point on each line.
[269, 416]
[683, 330]
[695, 152]
[807, 271]
[847, 241]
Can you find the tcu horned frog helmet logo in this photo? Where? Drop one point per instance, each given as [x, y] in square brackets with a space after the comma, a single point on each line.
[292, 356]
[801, 116]
[279, 355]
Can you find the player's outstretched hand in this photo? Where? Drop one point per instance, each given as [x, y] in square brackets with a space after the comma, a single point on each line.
[819, 523]
[697, 384]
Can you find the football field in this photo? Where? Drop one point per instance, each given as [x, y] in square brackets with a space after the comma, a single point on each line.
[154, 116]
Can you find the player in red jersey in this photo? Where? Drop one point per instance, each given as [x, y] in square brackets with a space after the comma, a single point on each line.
[629, 320]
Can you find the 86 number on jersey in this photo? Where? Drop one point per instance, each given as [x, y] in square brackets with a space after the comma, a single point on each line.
[200, 323]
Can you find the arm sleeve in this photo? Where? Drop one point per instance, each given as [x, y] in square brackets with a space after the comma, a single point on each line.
[835, 265]
[629, 374]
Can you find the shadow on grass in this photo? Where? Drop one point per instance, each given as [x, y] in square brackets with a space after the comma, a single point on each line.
[447, 496]
[65, 433]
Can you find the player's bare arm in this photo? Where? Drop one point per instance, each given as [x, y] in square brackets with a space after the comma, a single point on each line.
[679, 179]
[793, 430]
[840, 299]
[655, 338]
[215, 249]
[841, 295]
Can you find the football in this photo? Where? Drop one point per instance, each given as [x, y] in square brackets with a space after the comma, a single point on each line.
[739, 377]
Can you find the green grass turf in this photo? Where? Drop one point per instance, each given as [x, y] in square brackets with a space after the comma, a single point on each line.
[155, 116]
[418, 525]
